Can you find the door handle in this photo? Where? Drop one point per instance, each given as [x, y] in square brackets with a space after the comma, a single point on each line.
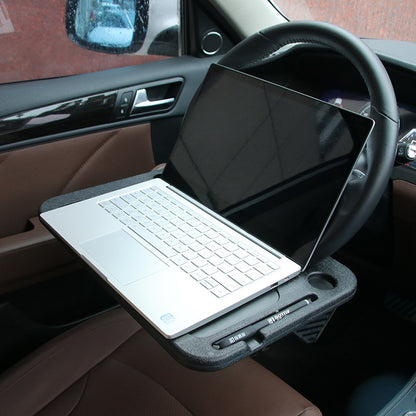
[142, 101]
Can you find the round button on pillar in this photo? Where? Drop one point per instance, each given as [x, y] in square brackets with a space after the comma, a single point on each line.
[211, 43]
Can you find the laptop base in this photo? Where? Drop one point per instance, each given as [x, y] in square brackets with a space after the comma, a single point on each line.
[313, 294]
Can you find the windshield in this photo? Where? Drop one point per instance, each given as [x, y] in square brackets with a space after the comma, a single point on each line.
[379, 19]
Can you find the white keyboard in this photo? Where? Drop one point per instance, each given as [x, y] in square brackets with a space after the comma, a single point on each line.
[216, 259]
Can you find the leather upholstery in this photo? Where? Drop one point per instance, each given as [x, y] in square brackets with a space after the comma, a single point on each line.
[404, 225]
[29, 176]
[110, 366]
[39, 172]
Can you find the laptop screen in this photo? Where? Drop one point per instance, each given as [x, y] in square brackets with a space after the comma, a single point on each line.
[271, 160]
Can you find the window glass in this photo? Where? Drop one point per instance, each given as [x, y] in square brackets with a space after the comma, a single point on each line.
[380, 19]
[34, 43]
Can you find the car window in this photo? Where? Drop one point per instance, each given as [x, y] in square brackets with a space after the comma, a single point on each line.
[377, 19]
[34, 43]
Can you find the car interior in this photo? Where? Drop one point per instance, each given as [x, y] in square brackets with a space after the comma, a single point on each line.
[71, 346]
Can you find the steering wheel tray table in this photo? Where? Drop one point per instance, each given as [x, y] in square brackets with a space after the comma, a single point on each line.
[255, 325]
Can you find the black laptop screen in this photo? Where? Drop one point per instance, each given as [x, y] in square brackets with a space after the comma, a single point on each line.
[271, 160]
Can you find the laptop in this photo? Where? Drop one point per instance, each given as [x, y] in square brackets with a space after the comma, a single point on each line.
[245, 197]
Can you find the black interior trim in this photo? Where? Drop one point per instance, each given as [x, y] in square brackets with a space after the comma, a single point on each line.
[35, 95]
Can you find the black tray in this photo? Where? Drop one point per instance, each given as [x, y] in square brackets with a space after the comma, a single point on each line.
[326, 285]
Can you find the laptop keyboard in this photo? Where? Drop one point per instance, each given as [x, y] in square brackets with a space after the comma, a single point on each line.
[216, 259]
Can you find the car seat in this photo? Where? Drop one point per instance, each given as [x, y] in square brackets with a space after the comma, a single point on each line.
[108, 365]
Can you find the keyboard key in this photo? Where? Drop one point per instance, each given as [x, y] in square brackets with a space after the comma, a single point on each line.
[199, 275]
[188, 241]
[219, 239]
[240, 253]
[186, 228]
[154, 229]
[263, 268]
[212, 282]
[179, 260]
[215, 260]
[145, 222]
[189, 268]
[233, 260]
[184, 216]
[205, 253]
[190, 255]
[226, 281]
[213, 235]
[209, 269]
[199, 262]
[111, 208]
[254, 274]
[243, 267]
[231, 247]
[273, 266]
[180, 248]
[162, 235]
[120, 203]
[128, 198]
[206, 284]
[195, 246]
[194, 222]
[203, 239]
[239, 277]
[170, 241]
[225, 268]
[219, 291]
[105, 204]
[224, 254]
[203, 228]
[251, 260]
[169, 227]
[194, 233]
[213, 246]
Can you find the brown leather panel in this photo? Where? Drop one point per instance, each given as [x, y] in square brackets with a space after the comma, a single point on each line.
[404, 200]
[79, 374]
[47, 373]
[37, 234]
[32, 256]
[246, 388]
[404, 214]
[113, 388]
[34, 174]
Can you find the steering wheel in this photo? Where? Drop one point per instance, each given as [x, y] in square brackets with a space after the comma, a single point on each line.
[361, 194]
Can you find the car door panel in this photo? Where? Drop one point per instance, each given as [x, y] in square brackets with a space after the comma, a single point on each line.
[27, 249]
[404, 208]
[42, 171]
[63, 157]
[41, 94]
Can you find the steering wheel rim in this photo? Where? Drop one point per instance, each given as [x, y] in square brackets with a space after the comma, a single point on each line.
[361, 195]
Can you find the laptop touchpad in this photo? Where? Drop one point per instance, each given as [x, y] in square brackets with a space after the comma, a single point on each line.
[122, 257]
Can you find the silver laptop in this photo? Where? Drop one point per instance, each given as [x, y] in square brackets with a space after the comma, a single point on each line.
[248, 190]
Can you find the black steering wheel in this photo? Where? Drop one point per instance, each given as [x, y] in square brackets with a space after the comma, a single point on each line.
[361, 195]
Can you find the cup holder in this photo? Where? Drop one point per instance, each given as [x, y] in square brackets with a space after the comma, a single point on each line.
[322, 281]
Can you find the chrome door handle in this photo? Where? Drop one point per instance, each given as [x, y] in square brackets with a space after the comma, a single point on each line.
[142, 101]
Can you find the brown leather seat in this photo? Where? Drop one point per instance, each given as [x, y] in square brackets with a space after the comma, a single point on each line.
[110, 366]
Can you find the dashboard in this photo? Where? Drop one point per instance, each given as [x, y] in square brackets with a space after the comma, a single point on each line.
[360, 103]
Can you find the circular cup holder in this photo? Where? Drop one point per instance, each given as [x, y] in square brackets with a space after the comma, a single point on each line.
[322, 281]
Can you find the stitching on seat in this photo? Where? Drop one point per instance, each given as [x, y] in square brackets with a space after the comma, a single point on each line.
[81, 395]
[155, 381]
[58, 350]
